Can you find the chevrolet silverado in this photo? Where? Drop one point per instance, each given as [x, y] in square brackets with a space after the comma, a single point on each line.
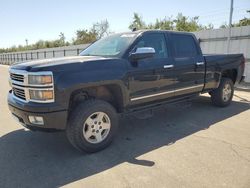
[122, 73]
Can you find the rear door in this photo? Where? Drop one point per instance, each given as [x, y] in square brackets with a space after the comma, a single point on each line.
[189, 64]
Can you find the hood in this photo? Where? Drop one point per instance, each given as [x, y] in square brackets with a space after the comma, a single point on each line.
[54, 63]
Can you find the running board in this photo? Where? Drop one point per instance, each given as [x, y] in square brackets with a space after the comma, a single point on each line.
[158, 105]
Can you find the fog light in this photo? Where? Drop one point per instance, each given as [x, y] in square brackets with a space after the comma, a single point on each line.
[37, 120]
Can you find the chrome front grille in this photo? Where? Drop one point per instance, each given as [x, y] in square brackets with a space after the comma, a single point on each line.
[18, 82]
[21, 87]
[20, 93]
[17, 77]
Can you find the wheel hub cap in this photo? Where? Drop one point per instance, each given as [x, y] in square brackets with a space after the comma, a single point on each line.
[96, 128]
[227, 92]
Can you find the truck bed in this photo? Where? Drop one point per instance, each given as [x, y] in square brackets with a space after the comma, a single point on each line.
[217, 63]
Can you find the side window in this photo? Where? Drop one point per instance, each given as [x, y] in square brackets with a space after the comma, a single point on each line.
[156, 41]
[184, 45]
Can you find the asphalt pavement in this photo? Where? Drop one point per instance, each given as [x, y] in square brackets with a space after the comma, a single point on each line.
[190, 144]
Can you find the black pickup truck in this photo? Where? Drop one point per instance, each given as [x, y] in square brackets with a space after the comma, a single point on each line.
[123, 73]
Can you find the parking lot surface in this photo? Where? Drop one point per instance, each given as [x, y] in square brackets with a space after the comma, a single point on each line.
[190, 144]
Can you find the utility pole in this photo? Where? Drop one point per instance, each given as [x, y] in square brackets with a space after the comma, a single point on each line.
[230, 25]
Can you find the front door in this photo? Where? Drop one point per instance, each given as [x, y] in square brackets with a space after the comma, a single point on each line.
[147, 78]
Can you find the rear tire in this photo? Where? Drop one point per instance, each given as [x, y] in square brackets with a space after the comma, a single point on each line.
[222, 96]
[92, 126]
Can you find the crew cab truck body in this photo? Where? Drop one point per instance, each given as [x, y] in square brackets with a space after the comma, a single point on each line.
[122, 73]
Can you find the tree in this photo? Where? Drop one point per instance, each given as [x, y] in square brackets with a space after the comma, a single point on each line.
[208, 27]
[101, 29]
[183, 23]
[180, 23]
[137, 22]
[62, 38]
[84, 36]
[243, 22]
[40, 44]
[224, 25]
[48, 44]
[97, 31]
[165, 24]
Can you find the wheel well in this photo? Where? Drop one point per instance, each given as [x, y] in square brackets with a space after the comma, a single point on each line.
[108, 93]
[232, 74]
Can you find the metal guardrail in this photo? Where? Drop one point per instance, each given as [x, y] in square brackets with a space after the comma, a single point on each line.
[12, 57]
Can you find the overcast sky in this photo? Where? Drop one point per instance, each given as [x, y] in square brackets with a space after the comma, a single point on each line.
[34, 19]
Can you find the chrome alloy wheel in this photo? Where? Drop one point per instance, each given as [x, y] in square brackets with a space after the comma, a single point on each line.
[96, 128]
[226, 92]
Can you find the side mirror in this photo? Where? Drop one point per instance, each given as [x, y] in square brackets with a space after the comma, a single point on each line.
[142, 53]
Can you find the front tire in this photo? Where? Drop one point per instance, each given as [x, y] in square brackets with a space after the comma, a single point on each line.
[222, 96]
[92, 126]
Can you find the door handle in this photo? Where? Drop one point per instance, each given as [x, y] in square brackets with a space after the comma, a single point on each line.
[168, 66]
[200, 63]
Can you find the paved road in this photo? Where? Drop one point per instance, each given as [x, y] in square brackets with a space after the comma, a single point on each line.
[185, 145]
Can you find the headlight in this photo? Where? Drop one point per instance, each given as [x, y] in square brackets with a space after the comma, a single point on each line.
[40, 79]
[41, 95]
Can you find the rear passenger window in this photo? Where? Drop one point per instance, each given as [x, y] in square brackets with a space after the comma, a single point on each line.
[184, 45]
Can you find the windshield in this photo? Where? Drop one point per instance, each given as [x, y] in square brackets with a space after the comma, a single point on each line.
[111, 46]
